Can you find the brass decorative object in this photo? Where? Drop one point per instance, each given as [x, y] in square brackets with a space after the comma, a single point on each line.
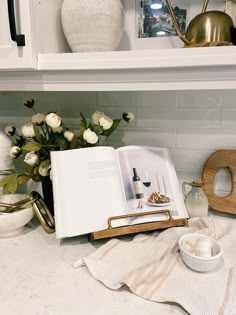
[206, 27]
[6, 208]
[43, 213]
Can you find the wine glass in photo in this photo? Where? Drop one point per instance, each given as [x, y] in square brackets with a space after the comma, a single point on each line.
[146, 180]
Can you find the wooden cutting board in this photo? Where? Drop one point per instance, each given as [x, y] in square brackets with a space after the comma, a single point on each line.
[218, 160]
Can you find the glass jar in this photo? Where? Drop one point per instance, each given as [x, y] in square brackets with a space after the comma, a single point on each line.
[196, 200]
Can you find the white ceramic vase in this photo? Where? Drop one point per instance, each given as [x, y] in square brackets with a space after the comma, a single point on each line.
[91, 25]
[6, 162]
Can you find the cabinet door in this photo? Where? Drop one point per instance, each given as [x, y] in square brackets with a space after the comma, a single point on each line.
[15, 35]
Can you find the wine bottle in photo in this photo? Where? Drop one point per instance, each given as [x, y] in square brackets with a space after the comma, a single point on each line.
[137, 185]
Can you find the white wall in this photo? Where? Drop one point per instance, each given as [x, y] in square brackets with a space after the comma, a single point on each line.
[192, 124]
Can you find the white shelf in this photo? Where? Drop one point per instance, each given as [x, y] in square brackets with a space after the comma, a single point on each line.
[164, 69]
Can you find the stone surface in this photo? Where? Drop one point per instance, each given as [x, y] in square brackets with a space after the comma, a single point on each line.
[38, 278]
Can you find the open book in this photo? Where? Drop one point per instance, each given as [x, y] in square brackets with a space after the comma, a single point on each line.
[92, 184]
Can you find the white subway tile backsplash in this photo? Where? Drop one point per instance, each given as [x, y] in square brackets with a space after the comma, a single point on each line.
[178, 117]
[147, 137]
[16, 121]
[199, 98]
[188, 175]
[115, 98]
[190, 159]
[57, 100]
[155, 98]
[206, 139]
[229, 118]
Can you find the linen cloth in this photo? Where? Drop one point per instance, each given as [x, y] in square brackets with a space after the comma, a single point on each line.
[152, 268]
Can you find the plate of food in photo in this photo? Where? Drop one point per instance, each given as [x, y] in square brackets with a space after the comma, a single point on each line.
[157, 199]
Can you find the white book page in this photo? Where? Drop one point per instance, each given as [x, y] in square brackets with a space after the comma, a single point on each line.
[157, 174]
[87, 190]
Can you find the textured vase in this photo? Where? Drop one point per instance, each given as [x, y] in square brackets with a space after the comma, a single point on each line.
[6, 162]
[91, 25]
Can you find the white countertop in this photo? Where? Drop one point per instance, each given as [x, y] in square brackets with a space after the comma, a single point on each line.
[37, 278]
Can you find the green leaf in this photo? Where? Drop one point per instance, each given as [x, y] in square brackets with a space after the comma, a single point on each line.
[63, 144]
[4, 190]
[27, 168]
[83, 124]
[8, 179]
[12, 185]
[97, 129]
[74, 144]
[38, 135]
[45, 163]
[22, 179]
[32, 146]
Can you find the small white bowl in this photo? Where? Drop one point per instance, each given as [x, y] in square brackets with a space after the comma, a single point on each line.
[198, 263]
[12, 224]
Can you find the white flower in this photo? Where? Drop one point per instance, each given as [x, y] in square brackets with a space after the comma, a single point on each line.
[105, 122]
[128, 116]
[68, 134]
[38, 119]
[10, 130]
[90, 136]
[31, 158]
[28, 130]
[44, 170]
[53, 120]
[96, 116]
[57, 130]
[15, 152]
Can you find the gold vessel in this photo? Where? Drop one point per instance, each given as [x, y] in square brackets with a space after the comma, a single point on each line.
[206, 27]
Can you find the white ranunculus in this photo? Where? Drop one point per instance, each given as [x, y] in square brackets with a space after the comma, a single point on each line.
[57, 130]
[90, 136]
[10, 131]
[53, 120]
[44, 170]
[15, 152]
[28, 130]
[96, 116]
[38, 119]
[105, 122]
[128, 116]
[68, 134]
[31, 158]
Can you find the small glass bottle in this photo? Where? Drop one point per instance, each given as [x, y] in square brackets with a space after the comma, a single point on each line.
[196, 200]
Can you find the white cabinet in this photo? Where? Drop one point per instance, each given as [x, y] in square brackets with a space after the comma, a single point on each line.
[15, 37]
[51, 66]
[28, 28]
[166, 69]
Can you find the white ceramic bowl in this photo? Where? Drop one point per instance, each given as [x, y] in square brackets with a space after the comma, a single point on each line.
[198, 263]
[13, 223]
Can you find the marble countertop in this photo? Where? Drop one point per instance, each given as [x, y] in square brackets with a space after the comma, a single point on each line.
[38, 278]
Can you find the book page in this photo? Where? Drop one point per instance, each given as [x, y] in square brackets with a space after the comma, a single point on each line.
[158, 184]
[87, 189]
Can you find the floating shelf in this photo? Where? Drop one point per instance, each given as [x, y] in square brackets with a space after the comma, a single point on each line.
[164, 69]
